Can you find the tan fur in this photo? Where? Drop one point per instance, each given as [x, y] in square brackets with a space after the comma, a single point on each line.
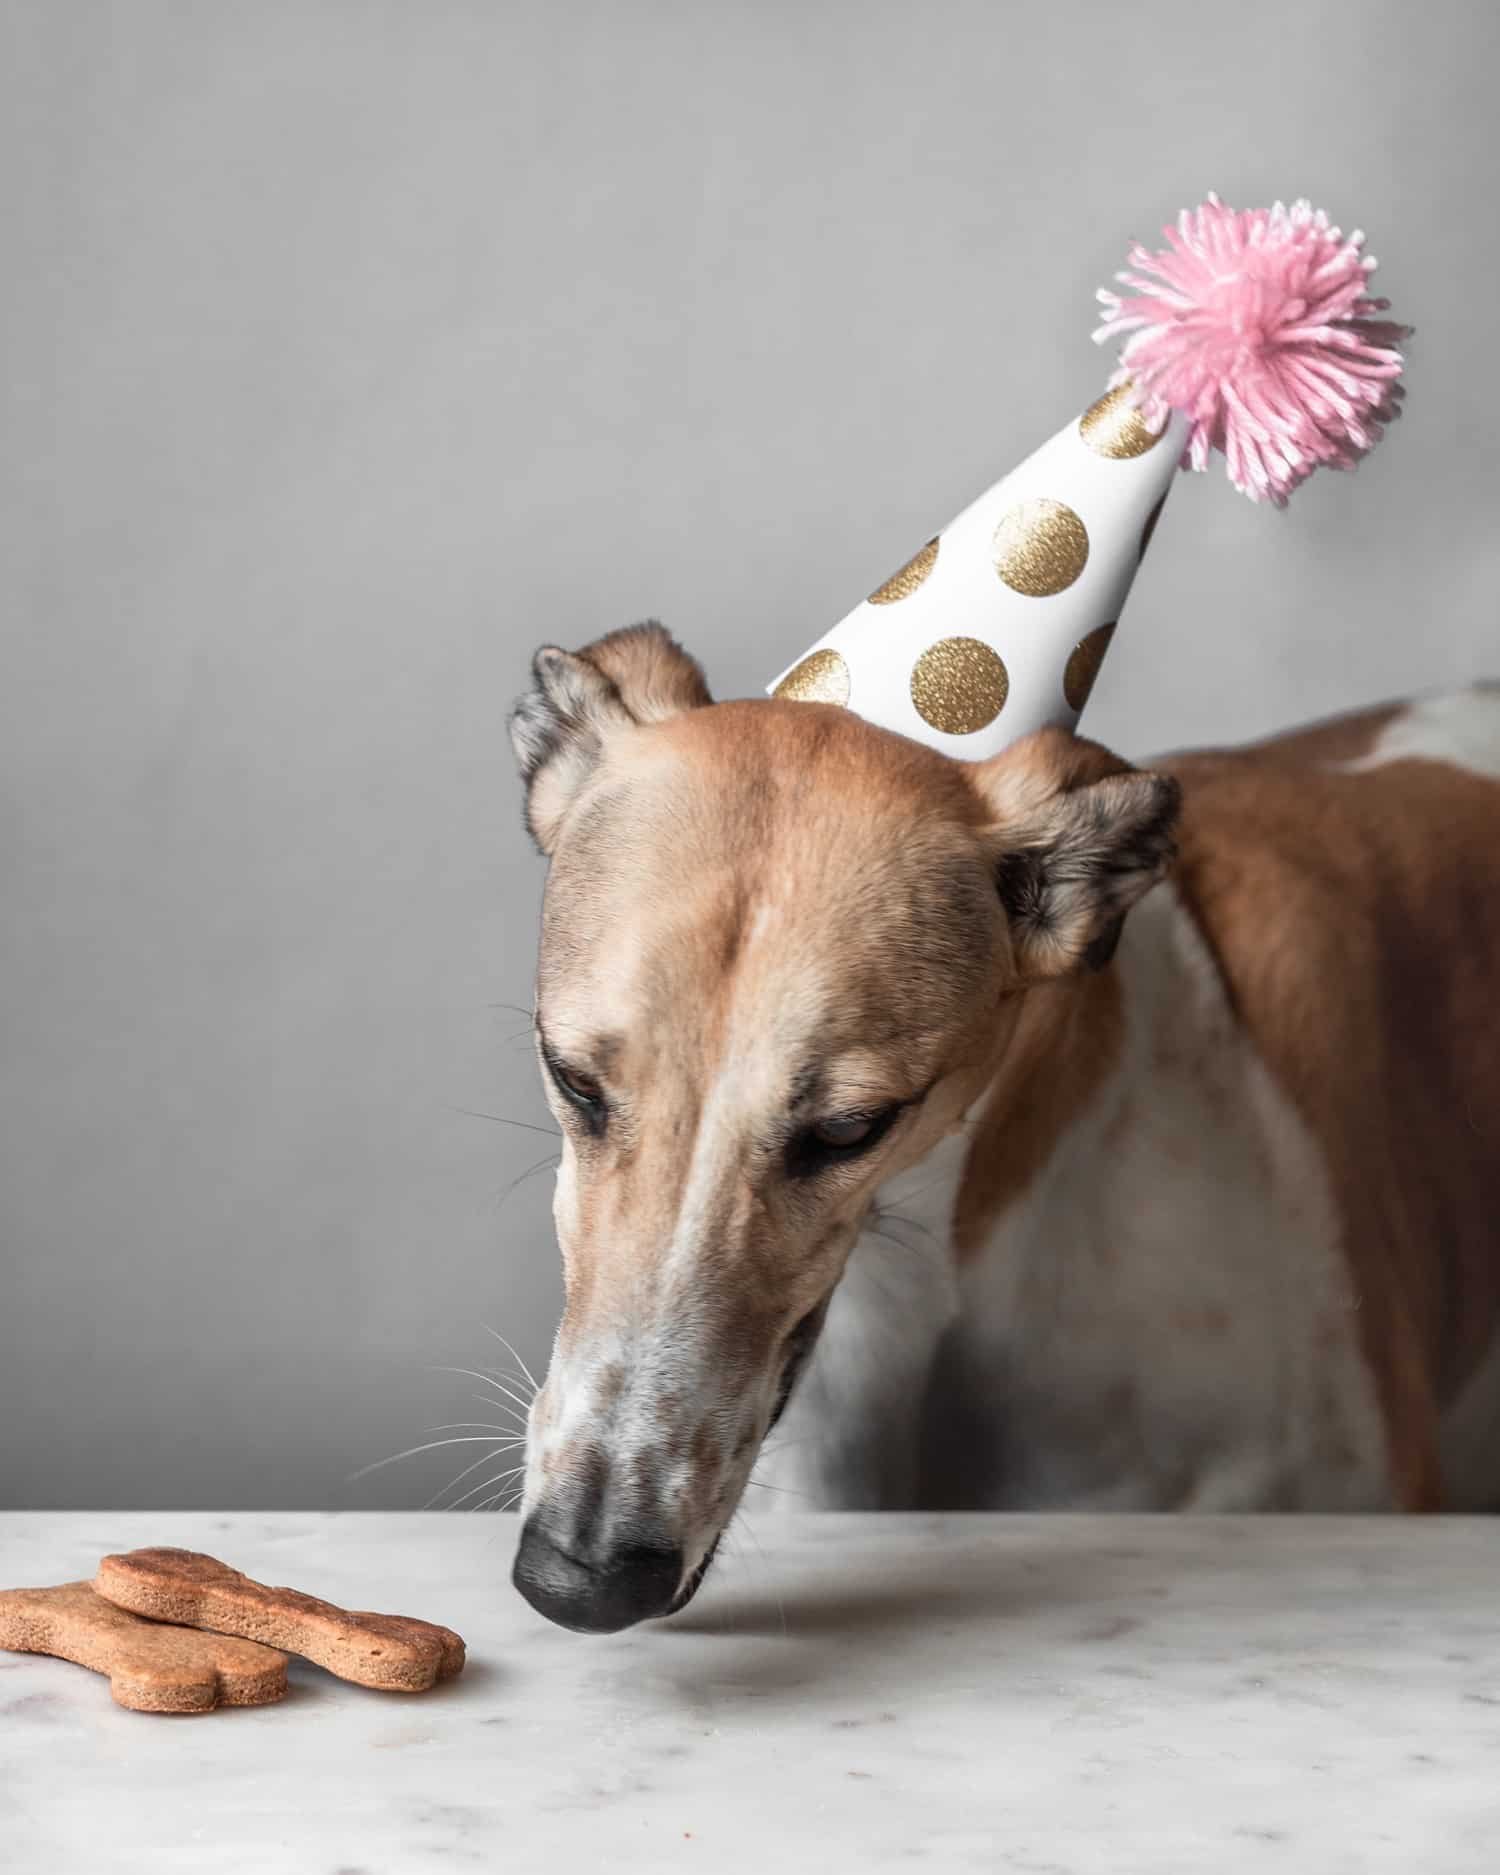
[690, 890]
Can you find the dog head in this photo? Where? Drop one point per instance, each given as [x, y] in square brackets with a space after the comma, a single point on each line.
[781, 950]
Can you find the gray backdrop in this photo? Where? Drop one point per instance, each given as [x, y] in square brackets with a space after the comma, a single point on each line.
[350, 350]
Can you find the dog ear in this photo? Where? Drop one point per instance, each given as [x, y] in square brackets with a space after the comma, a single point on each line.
[558, 729]
[1077, 836]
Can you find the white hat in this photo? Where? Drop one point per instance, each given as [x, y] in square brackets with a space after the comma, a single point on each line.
[999, 624]
[1251, 334]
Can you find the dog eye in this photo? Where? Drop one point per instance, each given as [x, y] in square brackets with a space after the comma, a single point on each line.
[581, 1088]
[851, 1130]
[841, 1136]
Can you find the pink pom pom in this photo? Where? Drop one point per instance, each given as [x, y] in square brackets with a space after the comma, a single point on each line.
[1255, 324]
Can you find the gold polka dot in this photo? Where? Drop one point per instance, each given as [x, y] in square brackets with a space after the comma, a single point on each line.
[821, 677]
[959, 685]
[1040, 548]
[903, 584]
[1115, 428]
[1150, 528]
[1083, 665]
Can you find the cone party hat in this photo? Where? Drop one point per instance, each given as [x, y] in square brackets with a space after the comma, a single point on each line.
[1252, 334]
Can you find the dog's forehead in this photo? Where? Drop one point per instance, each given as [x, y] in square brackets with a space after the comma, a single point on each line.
[742, 786]
[830, 885]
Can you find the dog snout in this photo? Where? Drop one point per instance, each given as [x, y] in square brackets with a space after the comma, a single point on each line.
[592, 1587]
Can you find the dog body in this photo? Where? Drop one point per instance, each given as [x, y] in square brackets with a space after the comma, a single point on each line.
[884, 1125]
[1232, 1240]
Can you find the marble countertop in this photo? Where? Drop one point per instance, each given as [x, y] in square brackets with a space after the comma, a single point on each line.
[1049, 1695]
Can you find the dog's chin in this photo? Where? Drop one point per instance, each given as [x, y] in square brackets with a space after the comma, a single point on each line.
[695, 1581]
[803, 1340]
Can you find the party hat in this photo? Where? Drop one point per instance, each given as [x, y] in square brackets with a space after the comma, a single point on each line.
[1251, 334]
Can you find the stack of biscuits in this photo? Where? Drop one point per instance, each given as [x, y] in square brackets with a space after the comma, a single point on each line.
[177, 1631]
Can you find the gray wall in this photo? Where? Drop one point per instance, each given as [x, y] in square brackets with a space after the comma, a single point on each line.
[351, 349]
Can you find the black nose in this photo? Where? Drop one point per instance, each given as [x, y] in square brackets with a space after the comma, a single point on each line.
[611, 1590]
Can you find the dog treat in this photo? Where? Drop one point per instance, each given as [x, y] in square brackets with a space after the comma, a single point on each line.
[151, 1668]
[391, 1652]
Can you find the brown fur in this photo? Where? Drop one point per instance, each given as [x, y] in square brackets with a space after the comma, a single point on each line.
[1356, 921]
[1064, 1046]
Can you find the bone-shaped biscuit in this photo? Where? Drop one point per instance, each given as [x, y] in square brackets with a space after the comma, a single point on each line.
[392, 1652]
[151, 1668]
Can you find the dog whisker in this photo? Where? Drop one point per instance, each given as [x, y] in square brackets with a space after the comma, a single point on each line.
[886, 1237]
[487, 1380]
[521, 1178]
[516, 1009]
[500, 1382]
[432, 1445]
[484, 1458]
[476, 1425]
[535, 1388]
[907, 1197]
[773, 1446]
[491, 1502]
[891, 1217]
[739, 1523]
[500, 1477]
[517, 1420]
[500, 1119]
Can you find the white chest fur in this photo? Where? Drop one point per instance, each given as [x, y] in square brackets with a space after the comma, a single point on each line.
[1164, 1320]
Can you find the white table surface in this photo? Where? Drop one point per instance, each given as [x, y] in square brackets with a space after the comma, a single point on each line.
[1001, 1693]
